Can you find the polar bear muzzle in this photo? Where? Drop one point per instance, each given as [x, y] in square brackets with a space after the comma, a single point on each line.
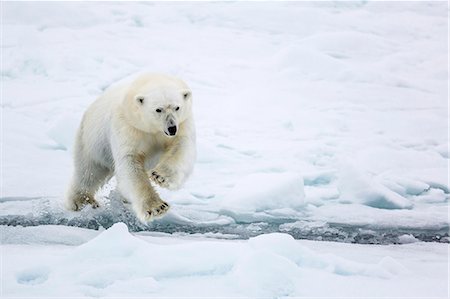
[171, 127]
[172, 130]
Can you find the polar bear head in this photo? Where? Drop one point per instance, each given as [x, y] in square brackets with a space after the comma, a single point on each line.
[158, 104]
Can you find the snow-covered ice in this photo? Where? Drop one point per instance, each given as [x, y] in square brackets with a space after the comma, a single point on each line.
[117, 263]
[327, 108]
[319, 120]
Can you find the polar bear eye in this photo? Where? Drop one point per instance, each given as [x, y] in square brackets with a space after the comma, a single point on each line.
[177, 108]
[141, 100]
[158, 110]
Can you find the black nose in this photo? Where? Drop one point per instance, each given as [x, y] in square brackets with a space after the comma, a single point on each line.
[172, 130]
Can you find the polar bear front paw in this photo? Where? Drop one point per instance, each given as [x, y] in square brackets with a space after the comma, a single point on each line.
[165, 177]
[159, 179]
[151, 210]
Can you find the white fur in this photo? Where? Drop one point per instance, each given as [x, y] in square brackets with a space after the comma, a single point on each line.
[122, 136]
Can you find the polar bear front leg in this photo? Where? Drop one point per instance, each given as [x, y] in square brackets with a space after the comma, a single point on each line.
[175, 165]
[134, 185]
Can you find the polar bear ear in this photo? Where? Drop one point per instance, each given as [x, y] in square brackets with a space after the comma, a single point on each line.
[187, 94]
[140, 100]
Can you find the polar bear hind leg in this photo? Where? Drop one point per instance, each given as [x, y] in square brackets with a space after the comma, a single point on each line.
[88, 177]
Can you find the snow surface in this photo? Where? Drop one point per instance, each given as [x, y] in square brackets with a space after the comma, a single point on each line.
[306, 112]
[324, 121]
[117, 263]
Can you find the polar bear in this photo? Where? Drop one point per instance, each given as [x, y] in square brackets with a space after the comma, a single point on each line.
[137, 130]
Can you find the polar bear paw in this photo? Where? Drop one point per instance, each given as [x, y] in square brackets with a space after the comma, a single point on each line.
[79, 202]
[165, 177]
[150, 210]
[159, 179]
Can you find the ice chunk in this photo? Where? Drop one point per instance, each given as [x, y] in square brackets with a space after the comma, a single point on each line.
[355, 186]
[406, 239]
[405, 186]
[114, 242]
[286, 246]
[431, 218]
[434, 177]
[266, 191]
[48, 234]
